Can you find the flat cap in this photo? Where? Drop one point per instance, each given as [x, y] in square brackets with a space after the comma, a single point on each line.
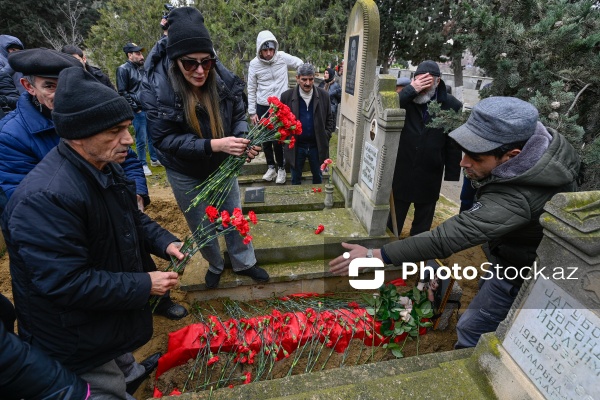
[42, 62]
[496, 121]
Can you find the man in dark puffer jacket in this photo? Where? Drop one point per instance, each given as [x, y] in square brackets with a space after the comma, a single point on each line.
[517, 165]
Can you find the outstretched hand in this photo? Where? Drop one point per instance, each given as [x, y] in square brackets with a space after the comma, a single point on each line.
[339, 265]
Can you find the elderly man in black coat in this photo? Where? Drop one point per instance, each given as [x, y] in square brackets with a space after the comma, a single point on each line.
[424, 154]
[79, 246]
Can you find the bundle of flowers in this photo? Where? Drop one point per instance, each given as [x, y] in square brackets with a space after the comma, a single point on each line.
[279, 123]
[400, 314]
[220, 224]
[260, 341]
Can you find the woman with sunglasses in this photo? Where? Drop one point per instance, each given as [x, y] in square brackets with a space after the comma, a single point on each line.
[196, 118]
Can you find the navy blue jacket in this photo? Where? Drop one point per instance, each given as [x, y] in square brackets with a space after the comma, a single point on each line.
[79, 249]
[26, 136]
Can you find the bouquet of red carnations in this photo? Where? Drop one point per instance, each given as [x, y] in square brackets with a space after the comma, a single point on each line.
[279, 123]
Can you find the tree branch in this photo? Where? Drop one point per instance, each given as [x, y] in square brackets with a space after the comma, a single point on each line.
[577, 97]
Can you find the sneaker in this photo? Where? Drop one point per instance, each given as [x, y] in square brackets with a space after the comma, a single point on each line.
[156, 163]
[270, 175]
[256, 273]
[280, 176]
[147, 171]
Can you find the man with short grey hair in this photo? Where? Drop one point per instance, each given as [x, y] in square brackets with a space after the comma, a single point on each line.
[312, 108]
[517, 165]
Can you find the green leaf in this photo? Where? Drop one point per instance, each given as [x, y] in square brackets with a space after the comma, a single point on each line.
[397, 353]
[370, 311]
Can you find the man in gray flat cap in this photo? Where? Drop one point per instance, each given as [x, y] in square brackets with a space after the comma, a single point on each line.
[401, 83]
[517, 165]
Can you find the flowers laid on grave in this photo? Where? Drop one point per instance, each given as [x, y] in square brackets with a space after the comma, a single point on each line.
[307, 331]
[278, 123]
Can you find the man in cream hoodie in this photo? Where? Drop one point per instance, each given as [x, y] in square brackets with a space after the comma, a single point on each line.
[268, 76]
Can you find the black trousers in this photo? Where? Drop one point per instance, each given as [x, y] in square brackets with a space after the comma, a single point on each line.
[422, 220]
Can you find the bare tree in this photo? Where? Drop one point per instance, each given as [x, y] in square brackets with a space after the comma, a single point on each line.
[69, 32]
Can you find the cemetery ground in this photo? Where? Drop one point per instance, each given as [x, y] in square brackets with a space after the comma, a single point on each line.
[165, 211]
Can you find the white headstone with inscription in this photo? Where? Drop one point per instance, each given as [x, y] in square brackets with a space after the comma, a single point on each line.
[360, 55]
[378, 157]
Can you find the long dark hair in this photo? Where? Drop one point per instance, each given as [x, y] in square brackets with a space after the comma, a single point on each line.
[209, 100]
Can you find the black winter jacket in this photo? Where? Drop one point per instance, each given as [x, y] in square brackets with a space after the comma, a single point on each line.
[129, 82]
[423, 152]
[79, 249]
[177, 146]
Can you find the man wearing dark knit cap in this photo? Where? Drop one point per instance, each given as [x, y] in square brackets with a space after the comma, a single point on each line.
[424, 154]
[79, 247]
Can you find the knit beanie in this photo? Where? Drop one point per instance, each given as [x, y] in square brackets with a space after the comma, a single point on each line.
[187, 33]
[428, 67]
[84, 107]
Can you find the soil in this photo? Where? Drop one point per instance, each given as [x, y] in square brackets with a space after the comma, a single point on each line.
[165, 211]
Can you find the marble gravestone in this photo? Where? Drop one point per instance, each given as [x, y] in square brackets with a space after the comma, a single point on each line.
[552, 333]
[384, 122]
[361, 46]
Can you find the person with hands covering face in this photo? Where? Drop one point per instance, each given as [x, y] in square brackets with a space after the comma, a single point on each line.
[425, 155]
[196, 121]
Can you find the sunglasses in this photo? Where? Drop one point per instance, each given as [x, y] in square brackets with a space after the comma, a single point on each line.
[192, 65]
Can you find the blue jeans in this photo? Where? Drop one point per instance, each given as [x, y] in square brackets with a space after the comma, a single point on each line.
[141, 138]
[241, 255]
[312, 154]
[485, 312]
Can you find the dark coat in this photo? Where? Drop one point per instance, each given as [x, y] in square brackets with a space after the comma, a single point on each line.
[28, 373]
[177, 146]
[129, 82]
[424, 153]
[100, 76]
[9, 95]
[79, 251]
[324, 122]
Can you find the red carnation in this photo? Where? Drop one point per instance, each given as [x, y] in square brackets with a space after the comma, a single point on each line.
[319, 229]
[212, 213]
[226, 219]
[248, 378]
[252, 216]
[212, 360]
[247, 239]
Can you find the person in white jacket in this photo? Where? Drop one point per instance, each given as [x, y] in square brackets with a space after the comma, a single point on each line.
[268, 76]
